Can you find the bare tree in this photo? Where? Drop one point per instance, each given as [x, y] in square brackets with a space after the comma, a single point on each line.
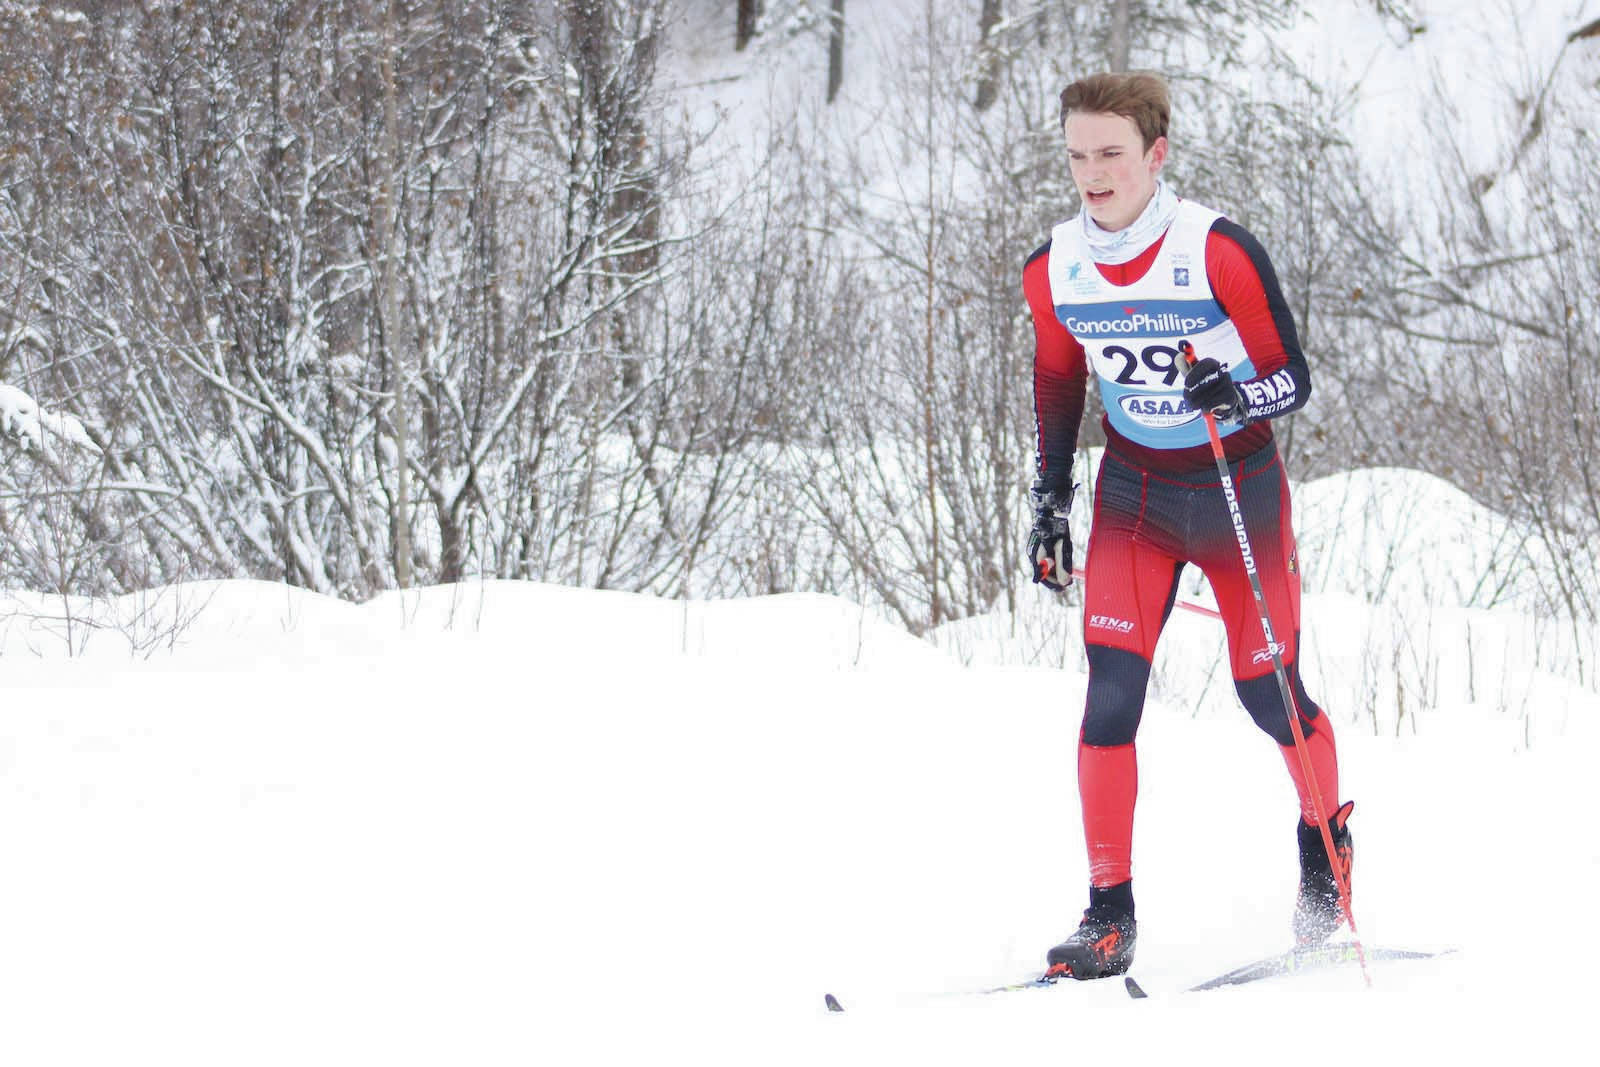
[233, 293]
[990, 56]
[318, 280]
[1119, 46]
[746, 18]
[835, 48]
[389, 298]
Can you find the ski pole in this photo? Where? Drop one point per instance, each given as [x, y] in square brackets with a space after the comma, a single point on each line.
[1289, 706]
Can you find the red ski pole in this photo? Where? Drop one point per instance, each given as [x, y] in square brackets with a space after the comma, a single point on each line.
[1237, 516]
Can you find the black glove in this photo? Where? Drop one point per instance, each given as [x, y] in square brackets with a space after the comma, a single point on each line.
[1207, 387]
[1049, 544]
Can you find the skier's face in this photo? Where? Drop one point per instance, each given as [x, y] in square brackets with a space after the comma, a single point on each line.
[1114, 172]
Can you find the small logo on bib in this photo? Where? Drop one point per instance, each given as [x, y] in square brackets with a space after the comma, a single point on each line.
[1180, 275]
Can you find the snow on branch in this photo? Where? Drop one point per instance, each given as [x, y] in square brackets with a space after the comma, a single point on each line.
[22, 419]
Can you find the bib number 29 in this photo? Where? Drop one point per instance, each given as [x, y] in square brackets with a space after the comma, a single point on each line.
[1143, 367]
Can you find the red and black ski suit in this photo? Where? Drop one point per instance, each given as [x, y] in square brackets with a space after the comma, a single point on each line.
[1156, 509]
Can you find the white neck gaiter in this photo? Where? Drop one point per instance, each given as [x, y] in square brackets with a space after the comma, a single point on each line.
[1126, 243]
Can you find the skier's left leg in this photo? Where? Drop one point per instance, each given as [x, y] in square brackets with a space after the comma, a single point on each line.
[1264, 502]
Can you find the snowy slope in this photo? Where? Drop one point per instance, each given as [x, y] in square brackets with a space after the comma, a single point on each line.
[510, 823]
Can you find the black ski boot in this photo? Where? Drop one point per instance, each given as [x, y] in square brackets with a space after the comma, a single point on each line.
[1103, 943]
[1317, 910]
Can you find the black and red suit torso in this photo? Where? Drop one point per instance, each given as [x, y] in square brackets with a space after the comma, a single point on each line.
[1246, 287]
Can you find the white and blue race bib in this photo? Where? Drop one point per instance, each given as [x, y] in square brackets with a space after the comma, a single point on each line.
[1131, 332]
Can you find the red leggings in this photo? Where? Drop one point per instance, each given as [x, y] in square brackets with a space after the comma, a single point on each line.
[1147, 526]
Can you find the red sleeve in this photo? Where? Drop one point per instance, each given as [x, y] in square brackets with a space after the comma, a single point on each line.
[1244, 283]
[1060, 376]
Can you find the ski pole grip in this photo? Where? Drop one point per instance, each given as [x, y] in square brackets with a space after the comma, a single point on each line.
[1188, 352]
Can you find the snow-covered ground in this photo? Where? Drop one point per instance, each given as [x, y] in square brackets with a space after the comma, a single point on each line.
[513, 823]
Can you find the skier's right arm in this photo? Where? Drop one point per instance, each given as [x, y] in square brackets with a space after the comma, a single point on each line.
[1060, 377]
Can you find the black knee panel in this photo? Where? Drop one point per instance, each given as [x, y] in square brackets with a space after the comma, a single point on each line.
[1262, 699]
[1117, 681]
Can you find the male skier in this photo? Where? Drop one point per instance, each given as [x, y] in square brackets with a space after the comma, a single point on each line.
[1112, 293]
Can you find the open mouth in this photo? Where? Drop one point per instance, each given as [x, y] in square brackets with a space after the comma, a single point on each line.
[1098, 196]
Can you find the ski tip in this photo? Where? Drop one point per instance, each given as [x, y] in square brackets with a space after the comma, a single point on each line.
[1133, 988]
[832, 1002]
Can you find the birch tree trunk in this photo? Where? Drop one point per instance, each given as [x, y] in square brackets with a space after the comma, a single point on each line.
[388, 296]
